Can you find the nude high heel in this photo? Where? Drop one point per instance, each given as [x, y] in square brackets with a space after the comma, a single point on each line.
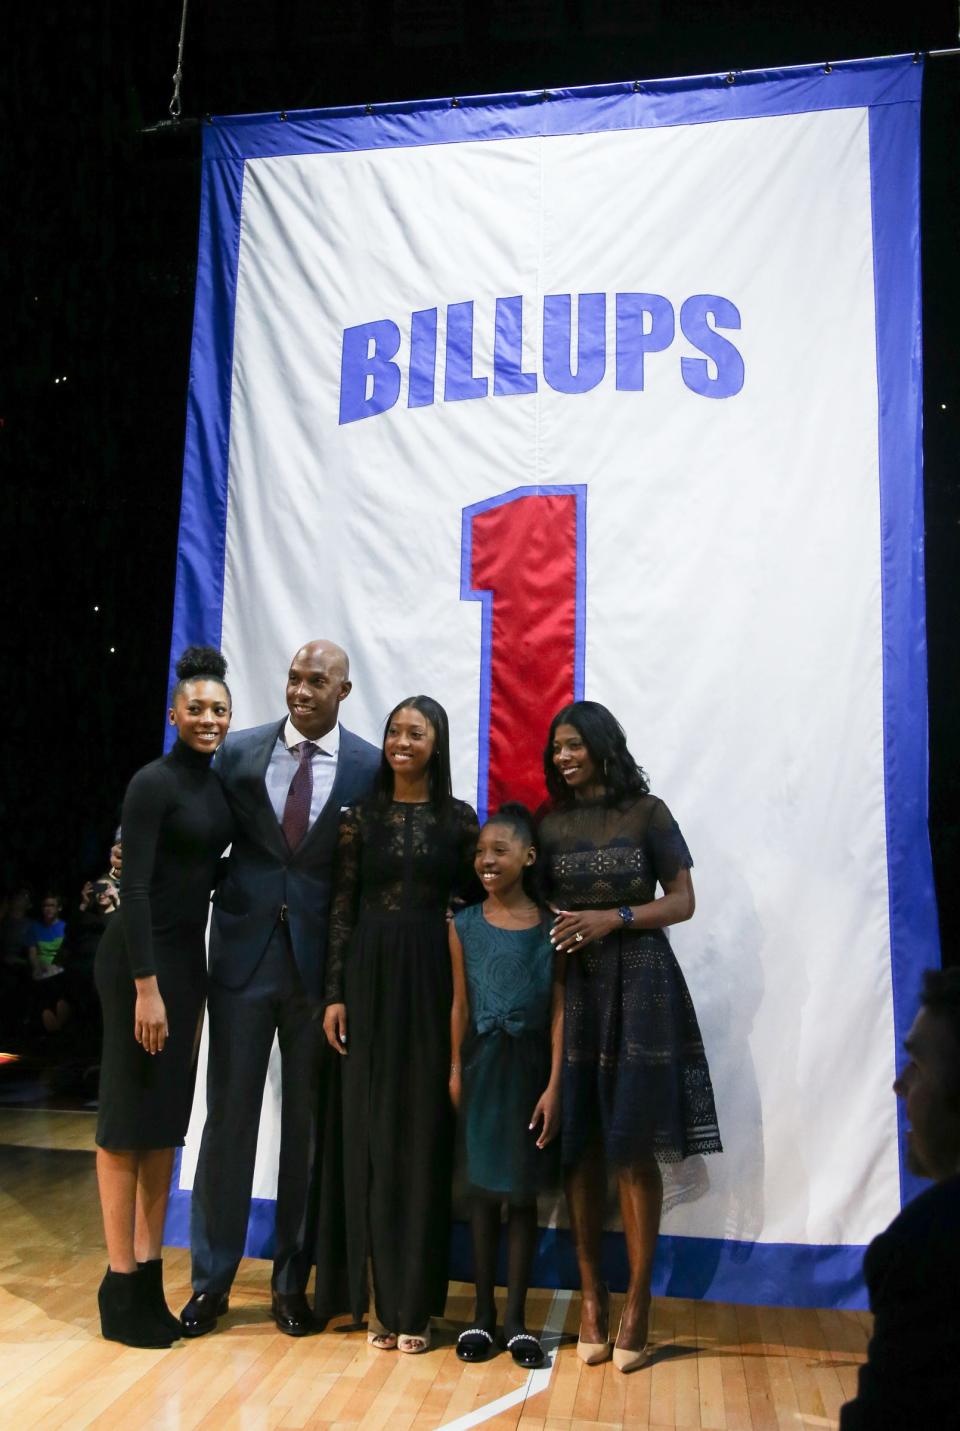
[626, 1360]
[593, 1353]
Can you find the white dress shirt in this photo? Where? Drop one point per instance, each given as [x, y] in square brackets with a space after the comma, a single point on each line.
[284, 761]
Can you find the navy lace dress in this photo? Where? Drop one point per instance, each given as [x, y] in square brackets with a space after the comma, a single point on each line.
[388, 960]
[506, 1055]
[634, 1069]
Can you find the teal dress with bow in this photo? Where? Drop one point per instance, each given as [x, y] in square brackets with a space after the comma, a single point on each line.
[506, 1055]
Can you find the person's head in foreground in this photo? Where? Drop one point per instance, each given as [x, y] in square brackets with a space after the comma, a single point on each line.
[929, 1082]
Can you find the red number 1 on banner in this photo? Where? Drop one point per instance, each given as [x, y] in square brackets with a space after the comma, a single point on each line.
[523, 557]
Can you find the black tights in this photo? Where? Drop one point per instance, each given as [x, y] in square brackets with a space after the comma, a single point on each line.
[521, 1244]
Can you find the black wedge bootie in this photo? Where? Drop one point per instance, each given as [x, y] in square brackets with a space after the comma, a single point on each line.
[151, 1274]
[124, 1314]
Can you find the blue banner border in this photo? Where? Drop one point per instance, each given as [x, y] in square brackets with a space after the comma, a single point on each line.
[749, 1273]
[891, 89]
[914, 930]
[527, 114]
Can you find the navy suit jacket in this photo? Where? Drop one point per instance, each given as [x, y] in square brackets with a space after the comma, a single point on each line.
[263, 874]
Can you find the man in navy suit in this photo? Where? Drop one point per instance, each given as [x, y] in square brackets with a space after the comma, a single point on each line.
[286, 783]
[911, 1379]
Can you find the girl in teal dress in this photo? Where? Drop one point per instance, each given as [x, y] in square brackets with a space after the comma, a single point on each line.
[506, 1056]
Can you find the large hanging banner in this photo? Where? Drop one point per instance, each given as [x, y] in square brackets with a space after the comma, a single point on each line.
[614, 392]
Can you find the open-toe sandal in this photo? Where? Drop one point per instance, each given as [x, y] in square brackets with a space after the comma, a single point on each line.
[413, 1343]
[380, 1336]
[475, 1344]
[525, 1349]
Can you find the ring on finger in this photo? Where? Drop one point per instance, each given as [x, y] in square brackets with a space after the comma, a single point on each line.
[578, 937]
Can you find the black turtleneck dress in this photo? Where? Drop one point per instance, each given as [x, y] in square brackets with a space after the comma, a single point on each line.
[175, 826]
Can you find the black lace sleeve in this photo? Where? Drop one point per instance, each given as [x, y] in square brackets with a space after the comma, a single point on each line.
[346, 902]
[466, 889]
[666, 846]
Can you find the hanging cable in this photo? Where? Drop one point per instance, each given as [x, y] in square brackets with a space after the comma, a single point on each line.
[174, 105]
[176, 124]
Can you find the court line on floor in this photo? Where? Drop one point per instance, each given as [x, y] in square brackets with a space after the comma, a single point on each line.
[537, 1380]
[42, 1108]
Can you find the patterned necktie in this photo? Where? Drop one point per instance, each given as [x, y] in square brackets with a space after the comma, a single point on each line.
[296, 811]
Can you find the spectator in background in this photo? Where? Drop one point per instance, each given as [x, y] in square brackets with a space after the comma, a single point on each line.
[15, 930]
[15, 982]
[98, 900]
[46, 935]
[45, 943]
[911, 1378]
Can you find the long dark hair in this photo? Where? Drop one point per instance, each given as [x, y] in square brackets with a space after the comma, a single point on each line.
[606, 743]
[517, 818]
[440, 785]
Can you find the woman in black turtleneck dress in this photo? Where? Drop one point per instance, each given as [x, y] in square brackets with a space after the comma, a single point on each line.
[151, 976]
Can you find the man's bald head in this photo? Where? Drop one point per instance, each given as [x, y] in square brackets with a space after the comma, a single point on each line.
[318, 680]
[322, 647]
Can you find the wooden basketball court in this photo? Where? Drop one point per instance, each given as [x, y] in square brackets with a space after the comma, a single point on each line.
[716, 1365]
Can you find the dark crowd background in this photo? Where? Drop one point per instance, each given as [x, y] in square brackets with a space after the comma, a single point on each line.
[98, 263]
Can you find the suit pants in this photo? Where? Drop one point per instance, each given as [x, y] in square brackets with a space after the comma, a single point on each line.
[242, 1026]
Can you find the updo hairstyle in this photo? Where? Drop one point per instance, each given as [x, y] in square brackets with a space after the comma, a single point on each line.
[201, 663]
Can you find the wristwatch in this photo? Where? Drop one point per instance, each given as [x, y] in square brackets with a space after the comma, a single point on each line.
[626, 913]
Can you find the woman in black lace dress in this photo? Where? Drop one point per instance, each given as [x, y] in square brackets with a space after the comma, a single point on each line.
[636, 1086]
[402, 854]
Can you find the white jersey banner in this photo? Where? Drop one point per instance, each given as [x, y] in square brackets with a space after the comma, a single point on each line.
[614, 393]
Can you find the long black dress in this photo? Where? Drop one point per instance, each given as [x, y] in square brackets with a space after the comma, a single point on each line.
[388, 960]
[175, 824]
[634, 1067]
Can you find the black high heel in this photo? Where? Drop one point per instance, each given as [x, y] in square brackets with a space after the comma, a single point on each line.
[124, 1314]
[151, 1274]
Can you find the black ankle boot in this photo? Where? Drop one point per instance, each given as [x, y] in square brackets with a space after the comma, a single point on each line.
[151, 1274]
[124, 1314]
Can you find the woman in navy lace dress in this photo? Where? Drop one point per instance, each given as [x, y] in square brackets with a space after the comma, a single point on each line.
[636, 1086]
